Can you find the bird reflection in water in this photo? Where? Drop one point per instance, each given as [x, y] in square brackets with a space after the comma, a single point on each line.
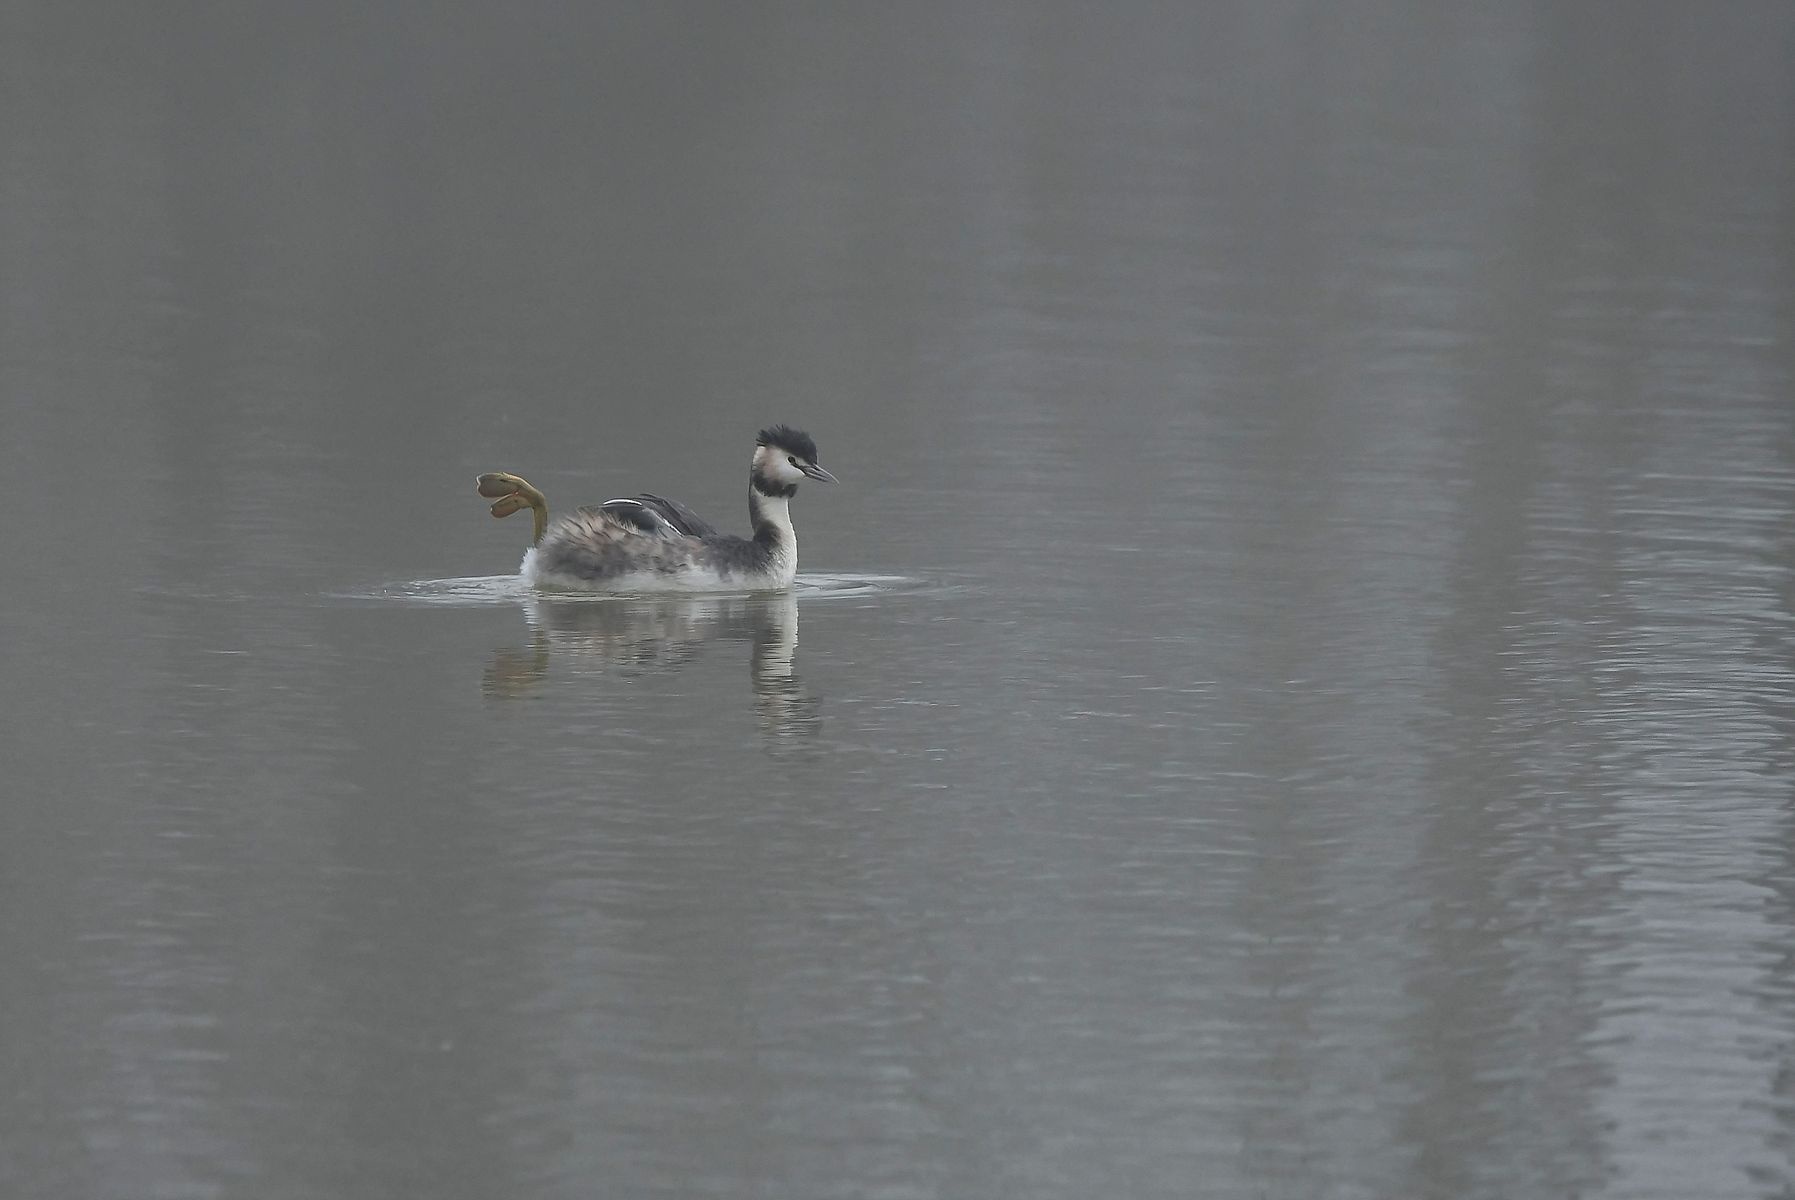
[657, 633]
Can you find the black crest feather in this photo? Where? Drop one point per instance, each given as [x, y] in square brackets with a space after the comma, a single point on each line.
[792, 441]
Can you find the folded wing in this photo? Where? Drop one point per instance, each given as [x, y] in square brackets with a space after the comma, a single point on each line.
[657, 515]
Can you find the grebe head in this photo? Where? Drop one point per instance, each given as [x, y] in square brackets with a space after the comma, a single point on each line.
[783, 458]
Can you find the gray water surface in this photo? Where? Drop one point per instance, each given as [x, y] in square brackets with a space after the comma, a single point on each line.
[1293, 696]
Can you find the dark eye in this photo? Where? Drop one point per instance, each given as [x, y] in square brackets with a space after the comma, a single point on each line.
[791, 460]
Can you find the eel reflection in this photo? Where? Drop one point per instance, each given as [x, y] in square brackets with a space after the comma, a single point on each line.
[656, 633]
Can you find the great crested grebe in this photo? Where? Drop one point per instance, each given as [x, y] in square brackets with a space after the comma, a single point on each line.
[648, 544]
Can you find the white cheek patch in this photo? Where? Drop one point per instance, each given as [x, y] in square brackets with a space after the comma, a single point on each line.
[776, 464]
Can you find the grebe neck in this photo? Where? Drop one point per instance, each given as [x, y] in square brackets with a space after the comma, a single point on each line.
[769, 512]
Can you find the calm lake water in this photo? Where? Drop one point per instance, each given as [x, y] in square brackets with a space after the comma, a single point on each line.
[1293, 696]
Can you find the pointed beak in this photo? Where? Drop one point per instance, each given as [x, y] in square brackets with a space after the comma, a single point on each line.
[817, 473]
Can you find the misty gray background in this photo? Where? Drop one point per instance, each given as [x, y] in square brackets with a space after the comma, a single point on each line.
[1292, 697]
